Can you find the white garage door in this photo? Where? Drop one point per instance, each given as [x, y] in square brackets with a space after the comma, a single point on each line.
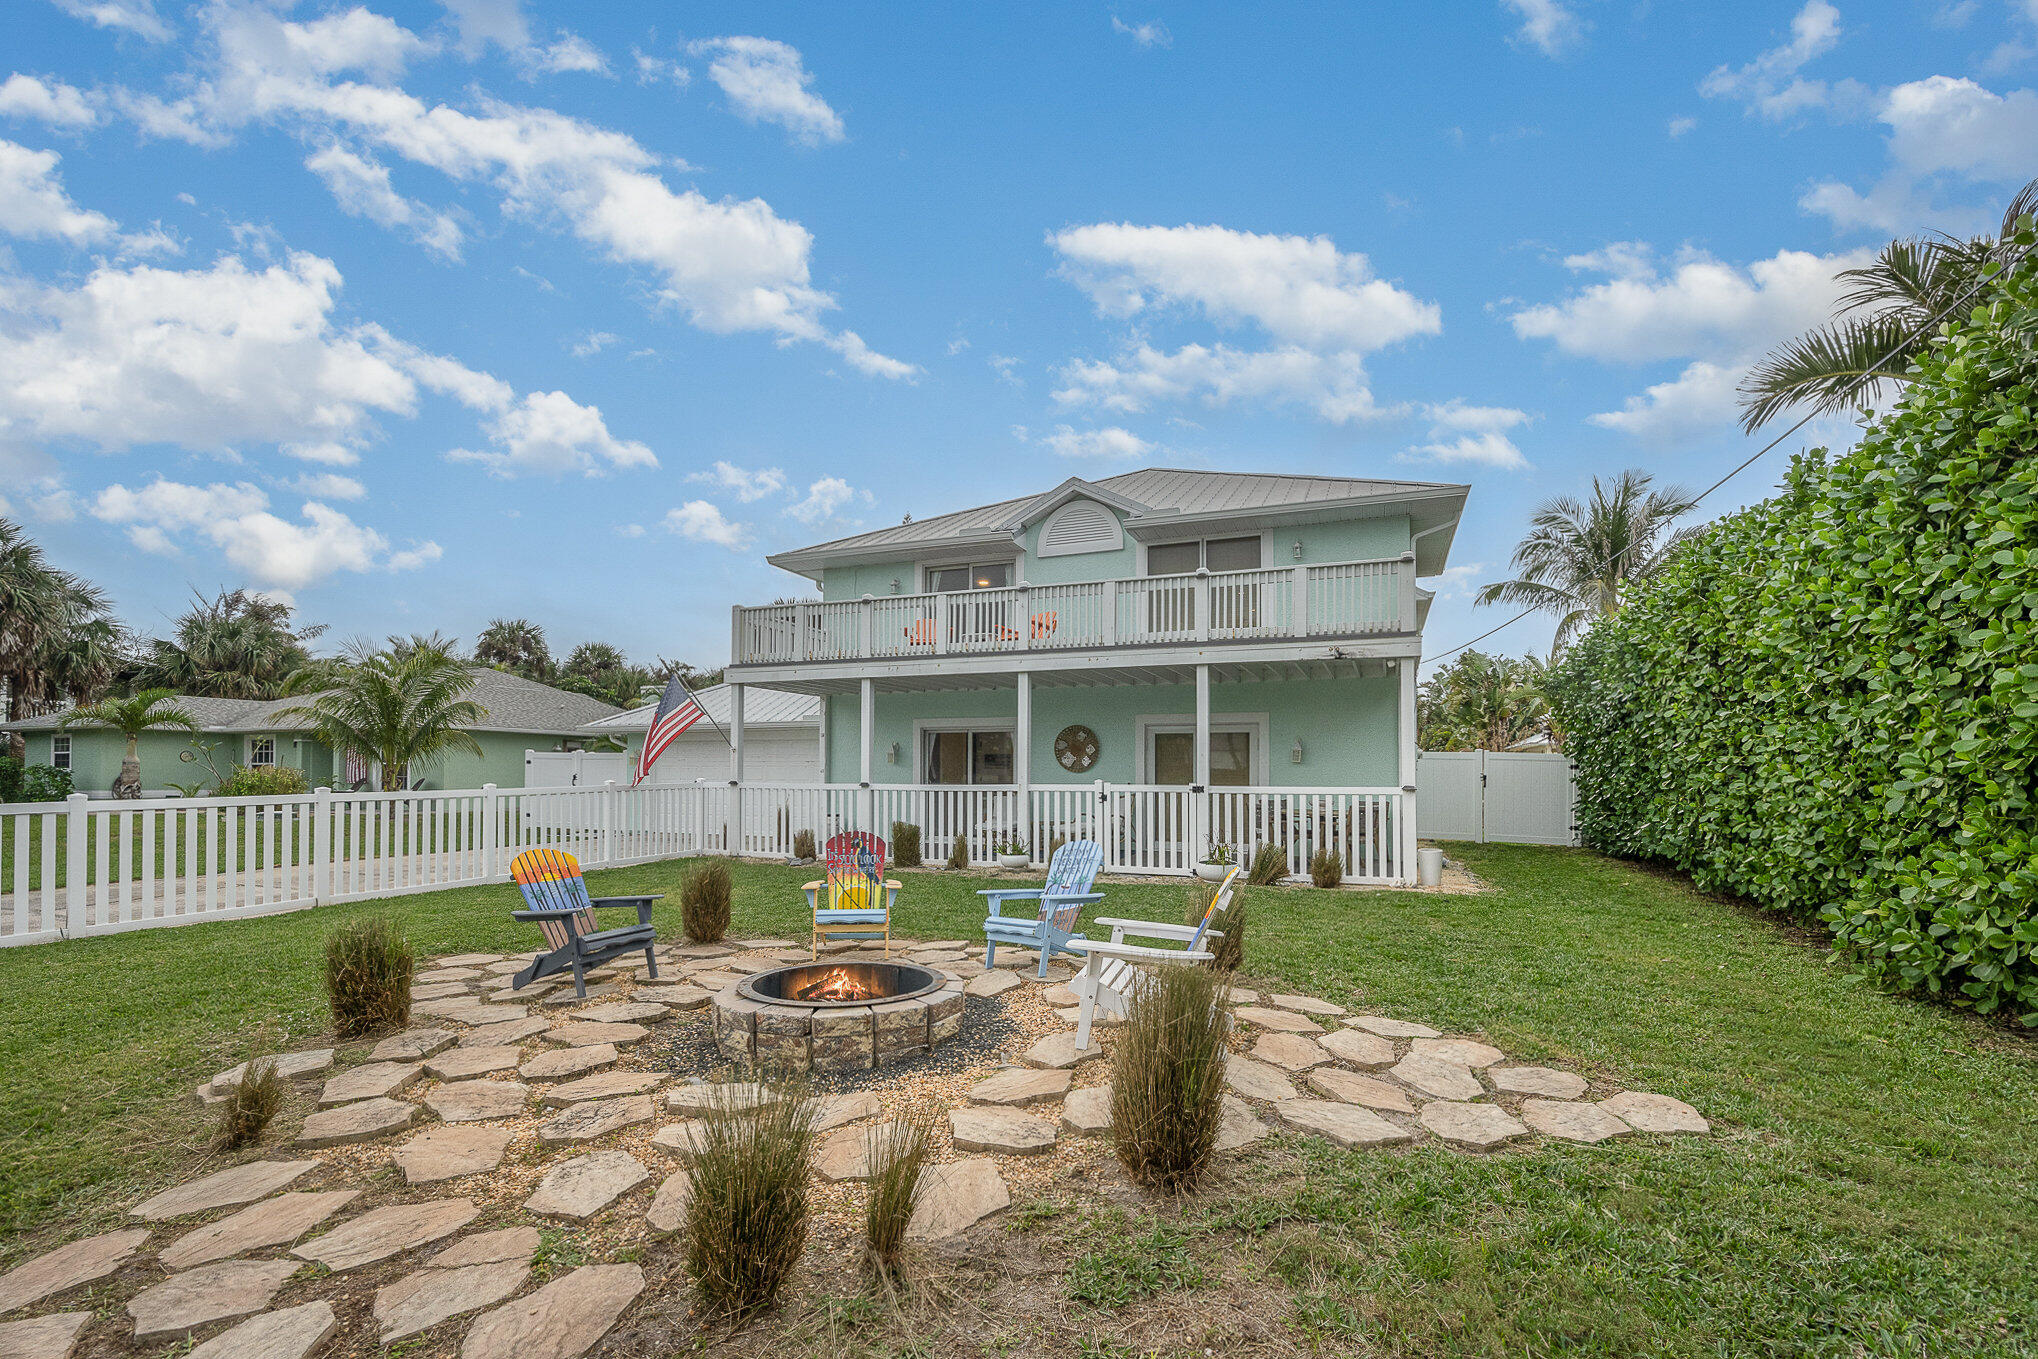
[768, 757]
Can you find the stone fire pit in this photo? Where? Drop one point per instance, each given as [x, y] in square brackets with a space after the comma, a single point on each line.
[836, 1016]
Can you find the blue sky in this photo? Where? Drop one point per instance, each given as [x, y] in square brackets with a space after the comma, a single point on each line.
[424, 313]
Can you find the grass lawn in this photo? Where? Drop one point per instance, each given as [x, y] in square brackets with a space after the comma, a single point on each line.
[1873, 1187]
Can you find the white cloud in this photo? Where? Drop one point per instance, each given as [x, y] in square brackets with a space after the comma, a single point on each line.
[748, 483]
[326, 486]
[868, 361]
[1152, 33]
[825, 499]
[414, 556]
[1334, 386]
[1770, 84]
[133, 16]
[701, 522]
[766, 82]
[652, 68]
[1680, 126]
[1546, 25]
[1455, 416]
[1458, 582]
[552, 433]
[1943, 131]
[275, 552]
[361, 187]
[35, 206]
[1476, 434]
[1006, 366]
[481, 24]
[593, 343]
[1700, 398]
[1110, 442]
[49, 101]
[629, 530]
[1487, 450]
[571, 53]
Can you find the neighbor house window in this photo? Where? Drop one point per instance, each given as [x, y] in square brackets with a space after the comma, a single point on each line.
[966, 757]
[60, 752]
[261, 751]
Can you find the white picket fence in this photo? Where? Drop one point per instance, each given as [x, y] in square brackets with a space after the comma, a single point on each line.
[83, 867]
[1513, 797]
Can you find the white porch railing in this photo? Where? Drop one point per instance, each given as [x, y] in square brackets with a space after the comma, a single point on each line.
[1337, 599]
[83, 867]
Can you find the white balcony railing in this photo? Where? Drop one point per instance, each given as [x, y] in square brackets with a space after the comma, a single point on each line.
[1335, 599]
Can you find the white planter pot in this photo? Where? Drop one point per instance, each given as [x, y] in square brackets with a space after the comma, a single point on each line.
[1212, 872]
[1013, 861]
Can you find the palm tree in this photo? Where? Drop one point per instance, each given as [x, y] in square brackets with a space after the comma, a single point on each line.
[145, 711]
[236, 645]
[1578, 561]
[1482, 702]
[42, 611]
[398, 710]
[1884, 320]
[516, 645]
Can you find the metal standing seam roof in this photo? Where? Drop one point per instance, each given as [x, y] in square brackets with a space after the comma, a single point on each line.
[762, 707]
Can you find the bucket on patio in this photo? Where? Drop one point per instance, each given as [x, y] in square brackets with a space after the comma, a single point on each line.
[1429, 866]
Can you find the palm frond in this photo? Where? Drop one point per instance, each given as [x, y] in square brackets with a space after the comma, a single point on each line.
[1832, 368]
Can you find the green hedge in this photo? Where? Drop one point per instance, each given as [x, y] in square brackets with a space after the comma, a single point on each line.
[1829, 701]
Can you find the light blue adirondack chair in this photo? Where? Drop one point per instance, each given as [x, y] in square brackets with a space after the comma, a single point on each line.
[1069, 876]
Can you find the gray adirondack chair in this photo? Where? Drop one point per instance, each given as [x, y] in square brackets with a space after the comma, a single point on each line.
[1052, 925]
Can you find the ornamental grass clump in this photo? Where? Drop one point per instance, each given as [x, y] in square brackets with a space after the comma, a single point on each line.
[958, 853]
[803, 845]
[899, 1153]
[1269, 866]
[746, 1222]
[368, 970]
[1326, 868]
[704, 897]
[1227, 953]
[248, 1107]
[1167, 1077]
[905, 845]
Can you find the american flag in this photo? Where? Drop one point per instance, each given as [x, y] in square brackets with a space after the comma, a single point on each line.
[677, 710]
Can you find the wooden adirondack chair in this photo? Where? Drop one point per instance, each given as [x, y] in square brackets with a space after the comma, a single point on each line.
[1112, 970]
[1070, 875]
[858, 900]
[562, 910]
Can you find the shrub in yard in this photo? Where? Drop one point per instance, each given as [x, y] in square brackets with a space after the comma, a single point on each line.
[803, 845]
[368, 970]
[1269, 866]
[1326, 868]
[1167, 1077]
[704, 895]
[10, 779]
[266, 780]
[746, 1222]
[45, 783]
[247, 1109]
[899, 1151]
[958, 853]
[905, 845]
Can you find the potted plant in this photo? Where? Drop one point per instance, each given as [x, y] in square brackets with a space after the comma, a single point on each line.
[1012, 853]
[1216, 863]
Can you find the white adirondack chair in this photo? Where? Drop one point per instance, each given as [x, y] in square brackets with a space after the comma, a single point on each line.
[1111, 970]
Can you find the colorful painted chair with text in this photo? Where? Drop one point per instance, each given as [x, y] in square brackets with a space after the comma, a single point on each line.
[560, 907]
[855, 900]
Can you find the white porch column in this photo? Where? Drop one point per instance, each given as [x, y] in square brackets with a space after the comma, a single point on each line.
[1405, 864]
[1022, 756]
[732, 840]
[866, 719]
[1199, 812]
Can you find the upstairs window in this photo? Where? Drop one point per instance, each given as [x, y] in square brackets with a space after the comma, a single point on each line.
[956, 579]
[1218, 554]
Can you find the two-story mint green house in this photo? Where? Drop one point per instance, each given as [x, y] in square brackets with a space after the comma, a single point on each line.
[1164, 658]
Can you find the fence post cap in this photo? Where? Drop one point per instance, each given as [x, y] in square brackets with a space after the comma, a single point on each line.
[76, 797]
[487, 787]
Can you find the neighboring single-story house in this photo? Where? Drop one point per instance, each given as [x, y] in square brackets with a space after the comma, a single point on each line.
[522, 715]
[783, 730]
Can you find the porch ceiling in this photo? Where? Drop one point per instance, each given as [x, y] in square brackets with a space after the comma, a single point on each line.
[1221, 672]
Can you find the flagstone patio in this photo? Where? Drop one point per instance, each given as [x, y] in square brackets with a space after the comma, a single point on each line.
[419, 1186]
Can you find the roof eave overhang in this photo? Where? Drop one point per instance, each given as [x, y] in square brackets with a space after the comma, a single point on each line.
[810, 561]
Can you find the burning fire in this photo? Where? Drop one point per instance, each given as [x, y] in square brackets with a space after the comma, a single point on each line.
[837, 983]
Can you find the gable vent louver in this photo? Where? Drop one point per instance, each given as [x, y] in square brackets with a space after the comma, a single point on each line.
[1080, 526]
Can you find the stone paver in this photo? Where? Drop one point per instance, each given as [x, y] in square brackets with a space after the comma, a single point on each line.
[1457, 1052]
[1059, 995]
[47, 1337]
[1289, 1051]
[1256, 1079]
[683, 1140]
[448, 1153]
[1441, 1080]
[667, 1212]
[560, 1063]
[1073, 1016]
[1359, 1047]
[1353, 1088]
[957, 1196]
[292, 1333]
[221, 1189]
[995, 982]
[602, 1085]
[1238, 1126]
[477, 960]
[413, 1045]
[1005, 1131]
[474, 1012]
[504, 1034]
[709, 1098]
[363, 1121]
[1392, 1028]
[595, 1118]
[461, 1063]
[474, 1101]
[486, 1248]
[446, 972]
[422, 1300]
[1281, 1021]
[578, 1033]
[273, 1222]
[1653, 1113]
[383, 1232]
[1471, 1125]
[623, 1012]
[371, 1080]
[1087, 1111]
[562, 1320]
[1571, 1121]
[832, 1111]
[845, 1153]
[1537, 1080]
[290, 1066]
[1345, 1124]
[1021, 1086]
[198, 1297]
[1057, 1052]
[674, 997]
[66, 1267]
[439, 990]
[1308, 1005]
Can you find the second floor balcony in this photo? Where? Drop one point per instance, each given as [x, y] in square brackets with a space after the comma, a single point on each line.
[1303, 603]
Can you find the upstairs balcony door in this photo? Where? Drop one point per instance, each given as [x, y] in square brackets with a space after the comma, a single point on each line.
[1171, 603]
[979, 602]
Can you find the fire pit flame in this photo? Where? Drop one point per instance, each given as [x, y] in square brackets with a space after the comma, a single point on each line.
[835, 984]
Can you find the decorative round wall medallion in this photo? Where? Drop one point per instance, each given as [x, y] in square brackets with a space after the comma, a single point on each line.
[1075, 749]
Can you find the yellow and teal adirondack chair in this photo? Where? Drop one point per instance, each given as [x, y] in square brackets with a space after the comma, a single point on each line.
[1111, 970]
[858, 897]
[564, 913]
[1070, 875]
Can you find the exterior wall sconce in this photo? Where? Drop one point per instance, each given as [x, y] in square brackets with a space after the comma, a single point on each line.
[1298, 549]
[892, 755]
[1295, 755]
[895, 584]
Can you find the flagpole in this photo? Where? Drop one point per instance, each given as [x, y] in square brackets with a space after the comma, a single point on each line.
[698, 702]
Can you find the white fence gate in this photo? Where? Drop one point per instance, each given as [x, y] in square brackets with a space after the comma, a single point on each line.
[574, 768]
[1494, 795]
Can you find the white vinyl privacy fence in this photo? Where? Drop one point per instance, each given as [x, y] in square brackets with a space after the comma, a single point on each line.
[82, 867]
[1492, 795]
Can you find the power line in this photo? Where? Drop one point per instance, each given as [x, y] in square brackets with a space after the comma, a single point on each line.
[1902, 346]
